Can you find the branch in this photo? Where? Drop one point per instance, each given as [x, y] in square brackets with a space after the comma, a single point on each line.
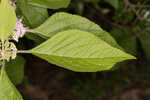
[3, 52]
[133, 9]
[3, 64]
[29, 30]
[22, 51]
[141, 6]
[18, 51]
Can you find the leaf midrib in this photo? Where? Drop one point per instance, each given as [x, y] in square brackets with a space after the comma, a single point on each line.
[41, 53]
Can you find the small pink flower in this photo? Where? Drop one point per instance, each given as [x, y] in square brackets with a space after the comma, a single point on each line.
[19, 30]
[13, 4]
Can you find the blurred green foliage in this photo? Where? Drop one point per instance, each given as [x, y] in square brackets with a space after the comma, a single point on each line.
[130, 26]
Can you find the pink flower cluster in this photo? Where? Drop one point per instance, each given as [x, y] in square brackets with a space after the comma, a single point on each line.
[13, 4]
[19, 30]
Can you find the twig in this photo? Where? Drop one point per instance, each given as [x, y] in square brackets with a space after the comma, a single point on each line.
[3, 64]
[133, 9]
[18, 51]
[22, 51]
[30, 31]
[3, 52]
[141, 6]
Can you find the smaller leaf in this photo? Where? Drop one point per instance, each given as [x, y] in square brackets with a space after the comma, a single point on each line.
[33, 15]
[61, 21]
[15, 70]
[52, 4]
[7, 89]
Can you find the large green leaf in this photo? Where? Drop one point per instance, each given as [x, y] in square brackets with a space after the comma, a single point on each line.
[7, 19]
[33, 16]
[52, 4]
[7, 89]
[63, 21]
[80, 51]
[15, 70]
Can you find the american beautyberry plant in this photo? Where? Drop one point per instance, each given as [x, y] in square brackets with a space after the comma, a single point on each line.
[71, 41]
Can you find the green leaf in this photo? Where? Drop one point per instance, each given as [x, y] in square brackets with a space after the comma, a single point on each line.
[7, 89]
[33, 16]
[15, 70]
[113, 3]
[63, 21]
[52, 4]
[80, 51]
[7, 19]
